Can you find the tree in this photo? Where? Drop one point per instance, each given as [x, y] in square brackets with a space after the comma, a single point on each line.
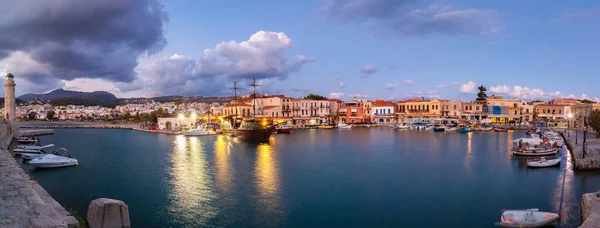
[178, 101]
[31, 115]
[481, 95]
[315, 97]
[50, 115]
[594, 121]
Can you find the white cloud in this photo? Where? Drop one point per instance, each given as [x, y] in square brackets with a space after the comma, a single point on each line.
[502, 89]
[455, 83]
[369, 69]
[391, 85]
[469, 87]
[408, 82]
[341, 86]
[440, 86]
[336, 95]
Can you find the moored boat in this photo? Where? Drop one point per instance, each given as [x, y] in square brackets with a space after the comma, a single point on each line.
[543, 162]
[498, 129]
[325, 127]
[439, 128]
[28, 140]
[282, 129]
[535, 151]
[526, 218]
[343, 125]
[31, 149]
[402, 126]
[464, 129]
[60, 158]
[200, 130]
[250, 130]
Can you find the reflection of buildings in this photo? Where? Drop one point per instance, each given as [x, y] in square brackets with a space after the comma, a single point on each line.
[266, 172]
[191, 182]
[223, 167]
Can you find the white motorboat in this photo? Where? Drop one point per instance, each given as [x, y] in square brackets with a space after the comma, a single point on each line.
[29, 156]
[31, 149]
[527, 218]
[402, 126]
[343, 125]
[29, 140]
[60, 158]
[201, 130]
[543, 162]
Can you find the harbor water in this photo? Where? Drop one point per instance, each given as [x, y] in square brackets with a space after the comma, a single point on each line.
[370, 177]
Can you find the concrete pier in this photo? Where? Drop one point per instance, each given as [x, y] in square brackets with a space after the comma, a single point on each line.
[591, 160]
[36, 132]
[24, 202]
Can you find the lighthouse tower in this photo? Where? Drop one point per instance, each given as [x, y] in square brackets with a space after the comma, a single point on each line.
[9, 97]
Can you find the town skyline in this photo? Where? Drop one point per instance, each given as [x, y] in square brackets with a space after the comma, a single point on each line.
[391, 50]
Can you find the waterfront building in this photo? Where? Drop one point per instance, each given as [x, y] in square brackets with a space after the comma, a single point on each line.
[579, 112]
[383, 112]
[564, 101]
[353, 112]
[176, 123]
[500, 110]
[527, 112]
[451, 109]
[552, 112]
[416, 109]
[473, 112]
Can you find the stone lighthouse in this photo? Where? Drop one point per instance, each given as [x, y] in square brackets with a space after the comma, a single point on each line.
[9, 97]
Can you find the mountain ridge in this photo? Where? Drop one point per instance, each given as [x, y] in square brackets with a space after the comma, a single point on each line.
[62, 93]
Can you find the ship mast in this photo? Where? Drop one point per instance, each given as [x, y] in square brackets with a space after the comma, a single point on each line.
[235, 98]
[254, 85]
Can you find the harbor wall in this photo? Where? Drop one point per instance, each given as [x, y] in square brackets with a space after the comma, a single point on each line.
[24, 202]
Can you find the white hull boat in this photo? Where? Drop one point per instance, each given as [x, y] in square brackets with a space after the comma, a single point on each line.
[26, 140]
[59, 158]
[543, 162]
[31, 149]
[535, 152]
[402, 127]
[201, 130]
[527, 218]
[343, 126]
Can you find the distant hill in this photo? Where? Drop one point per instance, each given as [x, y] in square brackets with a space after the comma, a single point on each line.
[63, 94]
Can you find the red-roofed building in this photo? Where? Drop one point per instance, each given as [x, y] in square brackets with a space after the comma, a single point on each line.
[383, 112]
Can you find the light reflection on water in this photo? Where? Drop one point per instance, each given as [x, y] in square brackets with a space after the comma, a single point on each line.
[192, 194]
[267, 181]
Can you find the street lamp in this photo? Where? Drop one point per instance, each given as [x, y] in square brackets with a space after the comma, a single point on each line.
[569, 118]
[181, 116]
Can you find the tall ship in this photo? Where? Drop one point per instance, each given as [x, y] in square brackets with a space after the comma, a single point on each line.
[248, 129]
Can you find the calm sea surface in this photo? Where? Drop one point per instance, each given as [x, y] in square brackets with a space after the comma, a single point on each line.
[376, 177]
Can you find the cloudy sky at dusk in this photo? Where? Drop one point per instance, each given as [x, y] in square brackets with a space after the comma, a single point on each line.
[387, 49]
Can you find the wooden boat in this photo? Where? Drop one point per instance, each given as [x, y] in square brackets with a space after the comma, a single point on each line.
[543, 162]
[464, 129]
[439, 129]
[282, 129]
[527, 218]
[499, 129]
[325, 127]
[535, 151]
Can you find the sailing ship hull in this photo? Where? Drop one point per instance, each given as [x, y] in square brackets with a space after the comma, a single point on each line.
[255, 135]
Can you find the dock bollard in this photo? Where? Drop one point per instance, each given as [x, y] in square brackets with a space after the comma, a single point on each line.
[108, 213]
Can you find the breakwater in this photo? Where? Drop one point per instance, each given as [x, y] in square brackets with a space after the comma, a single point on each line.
[24, 202]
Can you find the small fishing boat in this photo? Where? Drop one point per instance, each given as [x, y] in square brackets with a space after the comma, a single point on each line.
[31, 149]
[60, 158]
[28, 140]
[402, 126]
[200, 130]
[526, 218]
[282, 129]
[543, 162]
[343, 125]
[464, 129]
[325, 127]
[496, 129]
[439, 128]
[535, 151]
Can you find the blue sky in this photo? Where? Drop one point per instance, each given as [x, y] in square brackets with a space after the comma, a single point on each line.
[524, 49]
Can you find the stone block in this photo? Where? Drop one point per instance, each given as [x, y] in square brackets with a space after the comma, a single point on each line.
[590, 208]
[108, 213]
[47, 222]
